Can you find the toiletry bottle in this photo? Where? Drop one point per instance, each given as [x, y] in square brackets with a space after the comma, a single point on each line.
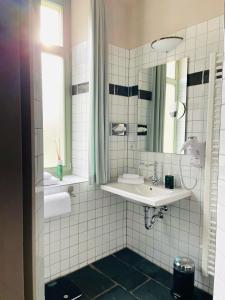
[169, 182]
[59, 170]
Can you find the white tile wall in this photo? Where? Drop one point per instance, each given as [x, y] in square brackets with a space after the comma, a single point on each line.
[80, 74]
[219, 286]
[118, 109]
[118, 65]
[95, 228]
[180, 232]
[80, 134]
[80, 63]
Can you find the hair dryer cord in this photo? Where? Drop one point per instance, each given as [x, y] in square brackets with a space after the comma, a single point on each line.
[182, 179]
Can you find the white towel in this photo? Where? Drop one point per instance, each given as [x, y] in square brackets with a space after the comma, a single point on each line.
[132, 176]
[57, 205]
[139, 180]
[51, 181]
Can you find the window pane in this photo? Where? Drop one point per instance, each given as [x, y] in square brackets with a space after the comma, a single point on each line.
[53, 94]
[51, 24]
[171, 70]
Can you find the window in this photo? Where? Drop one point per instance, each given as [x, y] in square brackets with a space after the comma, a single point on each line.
[56, 83]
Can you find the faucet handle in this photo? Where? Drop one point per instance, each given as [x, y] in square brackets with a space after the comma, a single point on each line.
[155, 180]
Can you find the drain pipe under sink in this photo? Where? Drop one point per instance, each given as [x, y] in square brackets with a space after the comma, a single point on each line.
[150, 221]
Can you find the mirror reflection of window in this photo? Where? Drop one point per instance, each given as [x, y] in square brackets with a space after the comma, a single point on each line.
[171, 70]
[170, 112]
[170, 101]
[169, 122]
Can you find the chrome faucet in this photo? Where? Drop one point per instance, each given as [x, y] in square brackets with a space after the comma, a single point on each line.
[155, 179]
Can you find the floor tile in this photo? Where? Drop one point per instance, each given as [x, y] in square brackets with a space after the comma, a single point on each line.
[117, 293]
[155, 272]
[154, 291]
[201, 295]
[57, 289]
[125, 267]
[121, 273]
[129, 256]
[90, 281]
[84, 297]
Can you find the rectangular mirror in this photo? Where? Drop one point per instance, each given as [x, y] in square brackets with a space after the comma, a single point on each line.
[162, 107]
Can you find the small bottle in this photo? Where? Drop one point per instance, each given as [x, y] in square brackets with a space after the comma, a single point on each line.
[169, 182]
[59, 170]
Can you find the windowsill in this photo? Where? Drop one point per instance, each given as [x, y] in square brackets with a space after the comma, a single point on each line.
[68, 180]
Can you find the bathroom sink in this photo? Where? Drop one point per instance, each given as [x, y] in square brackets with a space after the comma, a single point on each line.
[147, 194]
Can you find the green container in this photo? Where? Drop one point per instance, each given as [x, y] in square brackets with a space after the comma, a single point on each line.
[59, 170]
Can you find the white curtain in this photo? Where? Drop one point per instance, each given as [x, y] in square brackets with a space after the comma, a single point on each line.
[99, 122]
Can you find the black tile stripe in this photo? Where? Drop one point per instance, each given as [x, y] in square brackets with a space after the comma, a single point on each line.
[121, 90]
[83, 88]
[219, 73]
[74, 89]
[133, 90]
[80, 88]
[206, 76]
[145, 95]
[193, 79]
[198, 78]
[111, 89]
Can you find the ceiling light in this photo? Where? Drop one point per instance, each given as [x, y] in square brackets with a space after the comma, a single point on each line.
[166, 44]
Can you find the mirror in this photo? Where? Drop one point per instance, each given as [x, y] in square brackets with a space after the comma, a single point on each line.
[162, 105]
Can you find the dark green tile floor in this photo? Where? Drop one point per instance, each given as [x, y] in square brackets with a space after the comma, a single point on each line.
[124, 275]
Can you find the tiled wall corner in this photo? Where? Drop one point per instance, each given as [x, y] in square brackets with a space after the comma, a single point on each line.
[95, 228]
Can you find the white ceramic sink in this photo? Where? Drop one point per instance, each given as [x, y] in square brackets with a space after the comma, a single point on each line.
[147, 194]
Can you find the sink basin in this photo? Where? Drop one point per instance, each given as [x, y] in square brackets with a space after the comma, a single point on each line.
[146, 194]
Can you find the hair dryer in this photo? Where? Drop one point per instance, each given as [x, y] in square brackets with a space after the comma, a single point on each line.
[197, 150]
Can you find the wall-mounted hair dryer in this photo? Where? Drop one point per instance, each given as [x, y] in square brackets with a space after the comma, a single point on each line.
[197, 151]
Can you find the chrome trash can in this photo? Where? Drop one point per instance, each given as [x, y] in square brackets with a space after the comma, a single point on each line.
[183, 278]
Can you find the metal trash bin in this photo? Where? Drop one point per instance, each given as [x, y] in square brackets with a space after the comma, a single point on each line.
[183, 278]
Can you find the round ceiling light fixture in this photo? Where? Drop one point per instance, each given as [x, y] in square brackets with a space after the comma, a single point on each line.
[166, 44]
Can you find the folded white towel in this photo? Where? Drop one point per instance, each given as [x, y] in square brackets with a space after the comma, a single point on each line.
[139, 180]
[132, 176]
[51, 181]
[57, 205]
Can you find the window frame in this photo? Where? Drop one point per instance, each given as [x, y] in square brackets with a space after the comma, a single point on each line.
[65, 53]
